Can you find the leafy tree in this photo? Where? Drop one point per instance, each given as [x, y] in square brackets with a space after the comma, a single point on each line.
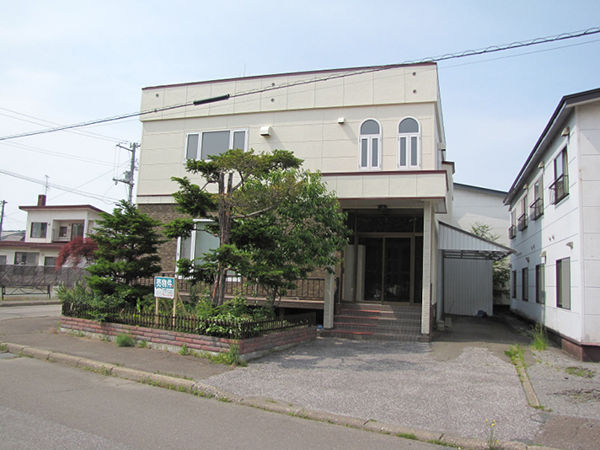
[79, 252]
[268, 215]
[127, 243]
[501, 268]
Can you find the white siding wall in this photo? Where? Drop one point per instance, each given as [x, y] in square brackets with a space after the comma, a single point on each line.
[589, 179]
[554, 233]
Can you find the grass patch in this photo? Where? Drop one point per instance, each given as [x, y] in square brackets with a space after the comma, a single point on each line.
[580, 372]
[184, 351]
[125, 340]
[540, 338]
[407, 436]
[3, 348]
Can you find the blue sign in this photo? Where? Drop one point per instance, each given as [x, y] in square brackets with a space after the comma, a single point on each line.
[164, 287]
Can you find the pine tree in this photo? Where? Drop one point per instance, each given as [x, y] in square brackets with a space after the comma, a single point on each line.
[127, 251]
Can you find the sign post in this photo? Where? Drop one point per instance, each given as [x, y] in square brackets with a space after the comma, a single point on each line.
[165, 287]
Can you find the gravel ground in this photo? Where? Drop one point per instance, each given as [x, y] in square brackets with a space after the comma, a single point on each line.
[565, 385]
[396, 383]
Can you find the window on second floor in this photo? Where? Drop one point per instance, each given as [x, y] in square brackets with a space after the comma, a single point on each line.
[560, 186]
[38, 229]
[205, 144]
[522, 221]
[512, 231]
[409, 151]
[370, 145]
[536, 209]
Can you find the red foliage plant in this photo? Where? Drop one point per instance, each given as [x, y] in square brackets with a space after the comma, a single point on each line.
[78, 252]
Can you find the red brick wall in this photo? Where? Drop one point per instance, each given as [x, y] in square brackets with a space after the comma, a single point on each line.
[192, 341]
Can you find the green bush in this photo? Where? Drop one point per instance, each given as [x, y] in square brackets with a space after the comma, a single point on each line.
[125, 340]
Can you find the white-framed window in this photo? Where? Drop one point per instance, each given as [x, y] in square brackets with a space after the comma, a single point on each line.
[26, 259]
[512, 231]
[525, 286]
[536, 209]
[205, 144]
[199, 242]
[563, 283]
[369, 150]
[409, 144]
[560, 186]
[522, 221]
[540, 284]
[38, 229]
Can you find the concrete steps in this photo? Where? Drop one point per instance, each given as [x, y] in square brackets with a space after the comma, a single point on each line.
[389, 322]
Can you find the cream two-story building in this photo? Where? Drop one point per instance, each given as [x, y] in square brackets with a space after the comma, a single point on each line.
[375, 133]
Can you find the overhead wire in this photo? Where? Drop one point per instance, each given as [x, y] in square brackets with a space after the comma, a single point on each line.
[59, 187]
[463, 54]
[39, 121]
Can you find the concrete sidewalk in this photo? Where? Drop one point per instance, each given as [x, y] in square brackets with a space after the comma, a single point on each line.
[442, 390]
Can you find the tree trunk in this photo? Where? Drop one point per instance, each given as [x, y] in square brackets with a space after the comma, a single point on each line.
[224, 213]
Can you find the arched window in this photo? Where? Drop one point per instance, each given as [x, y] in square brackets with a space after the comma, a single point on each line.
[370, 145]
[409, 145]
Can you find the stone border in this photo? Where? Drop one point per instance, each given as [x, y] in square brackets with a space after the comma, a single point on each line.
[173, 341]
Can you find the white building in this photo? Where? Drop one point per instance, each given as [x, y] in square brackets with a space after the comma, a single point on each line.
[49, 228]
[375, 133]
[555, 227]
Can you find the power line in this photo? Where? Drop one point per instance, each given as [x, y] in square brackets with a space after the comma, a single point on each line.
[39, 121]
[61, 188]
[58, 154]
[463, 54]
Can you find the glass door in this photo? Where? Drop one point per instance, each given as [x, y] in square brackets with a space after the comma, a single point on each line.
[388, 268]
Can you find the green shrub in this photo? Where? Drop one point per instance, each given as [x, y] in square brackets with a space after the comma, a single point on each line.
[540, 338]
[125, 340]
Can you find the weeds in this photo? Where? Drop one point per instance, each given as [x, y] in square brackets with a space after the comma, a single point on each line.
[580, 372]
[142, 344]
[105, 338]
[125, 340]
[3, 348]
[491, 442]
[540, 338]
[407, 436]
[184, 351]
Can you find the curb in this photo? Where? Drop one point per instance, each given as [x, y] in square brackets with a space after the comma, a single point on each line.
[204, 390]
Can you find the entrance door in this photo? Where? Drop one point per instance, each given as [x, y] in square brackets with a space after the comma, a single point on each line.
[388, 268]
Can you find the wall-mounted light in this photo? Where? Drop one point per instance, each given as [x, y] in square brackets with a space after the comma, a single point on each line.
[341, 120]
[382, 207]
[543, 257]
[565, 131]
[570, 244]
[266, 131]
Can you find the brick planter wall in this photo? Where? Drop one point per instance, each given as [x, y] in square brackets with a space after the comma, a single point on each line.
[174, 340]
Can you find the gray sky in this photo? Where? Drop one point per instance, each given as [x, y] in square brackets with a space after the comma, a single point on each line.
[73, 61]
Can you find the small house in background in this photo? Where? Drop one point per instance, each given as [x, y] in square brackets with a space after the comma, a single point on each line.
[555, 228]
[49, 228]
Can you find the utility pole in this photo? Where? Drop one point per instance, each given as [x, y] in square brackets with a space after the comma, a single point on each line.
[4, 202]
[128, 175]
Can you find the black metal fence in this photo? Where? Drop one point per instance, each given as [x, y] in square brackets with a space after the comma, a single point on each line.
[239, 329]
[308, 289]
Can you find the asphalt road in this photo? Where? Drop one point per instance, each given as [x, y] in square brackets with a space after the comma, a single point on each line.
[50, 406]
[13, 312]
